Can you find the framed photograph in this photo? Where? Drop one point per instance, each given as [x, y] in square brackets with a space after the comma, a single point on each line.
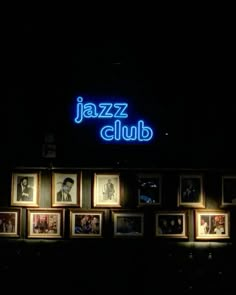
[190, 192]
[212, 224]
[228, 196]
[149, 189]
[106, 190]
[86, 223]
[10, 222]
[25, 189]
[45, 223]
[66, 189]
[171, 224]
[128, 224]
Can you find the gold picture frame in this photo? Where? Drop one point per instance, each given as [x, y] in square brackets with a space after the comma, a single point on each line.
[10, 222]
[86, 223]
[212, 224]
[45, 223]
[106, 190]
[66, 189]
[25, 189]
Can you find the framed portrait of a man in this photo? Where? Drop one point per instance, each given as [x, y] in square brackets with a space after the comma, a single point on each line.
[106, 190]
[66, 189]
[25, 189]
[190, 191]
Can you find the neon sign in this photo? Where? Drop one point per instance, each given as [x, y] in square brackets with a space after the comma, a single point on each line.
[113, 111]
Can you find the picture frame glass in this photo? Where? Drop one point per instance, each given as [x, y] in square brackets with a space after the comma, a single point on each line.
[171, 224]
[10, 222]
[128, 224]
[149, 189]
[106, 190]
[66, 189]
[25, 189]
[86, 223]
[191, 191]
[228, 191]
[46, 223]
[212, 225]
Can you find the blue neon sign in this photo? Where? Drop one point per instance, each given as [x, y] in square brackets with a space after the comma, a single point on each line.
[117, 131]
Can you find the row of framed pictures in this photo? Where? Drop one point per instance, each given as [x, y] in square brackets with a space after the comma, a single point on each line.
[50, 223]
[66, 190]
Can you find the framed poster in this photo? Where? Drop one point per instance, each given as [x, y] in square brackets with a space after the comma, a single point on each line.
[128, 224]
[66, 189]
[106, 190]
[212, 224]
[10, 222]
[228, 195]
[25, 189]
[149, 189]
[171, 224]
[86, 223]
[190, 192]
[45, 223]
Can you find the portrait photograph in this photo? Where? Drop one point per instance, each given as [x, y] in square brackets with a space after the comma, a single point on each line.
[149, 189]
[128, 224]
[10, 222]
[25, 189]
[190, 191]
[212, 224]
[45, 223]
[66, 189]
[171, 224]
[106, 190]
[228, 196]
[86, 223]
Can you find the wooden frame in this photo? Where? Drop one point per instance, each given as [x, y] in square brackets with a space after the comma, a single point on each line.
[228, 192]
[171, 224]
[86, 223]
[45, 223]
[149, 189]
[212, 224]
[10, 222]
[103, 197]
[25, 189]
[190, 193]
[128, 224]
[66, 189]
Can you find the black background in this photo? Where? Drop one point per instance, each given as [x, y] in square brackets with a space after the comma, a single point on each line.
[176, 73]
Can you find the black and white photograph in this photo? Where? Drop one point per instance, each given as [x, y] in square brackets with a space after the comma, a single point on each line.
[25, 189]
[66, 189]
[107, 190]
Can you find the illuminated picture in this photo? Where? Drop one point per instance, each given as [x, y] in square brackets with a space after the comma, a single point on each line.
[86, 223]
[211, 224]
[171, 224]
[25, 189]
[106, 191]
[45, 223]
[66, 189]
[10, 219]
